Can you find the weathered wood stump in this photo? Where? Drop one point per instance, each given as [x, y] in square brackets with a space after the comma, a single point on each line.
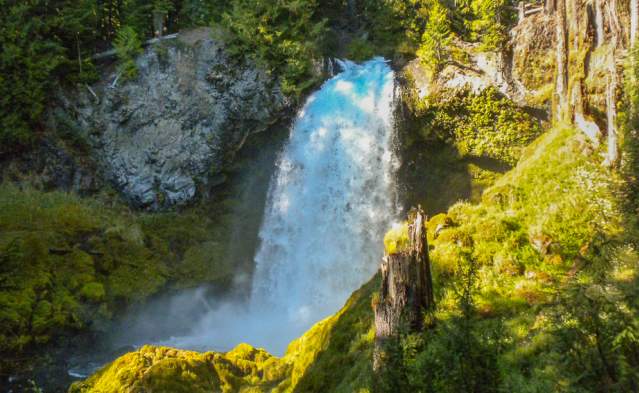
[407, 288]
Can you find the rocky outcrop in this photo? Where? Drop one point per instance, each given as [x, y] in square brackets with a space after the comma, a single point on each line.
[407, 287]
[51, 165]
[584, 47]
[167, 135]
[480, 71]
[565, 59]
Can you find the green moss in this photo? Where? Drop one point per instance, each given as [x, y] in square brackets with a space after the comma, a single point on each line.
[195, 265]
[93, 291]
[396, 239]
[66, 261]
[530, 229]
[485, 125]
[333, 356]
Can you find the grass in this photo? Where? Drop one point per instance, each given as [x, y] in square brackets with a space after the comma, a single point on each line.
[523, 276]
[532, 224]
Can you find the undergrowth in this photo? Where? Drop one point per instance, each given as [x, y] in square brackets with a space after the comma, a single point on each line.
[535, 285]
[69, 262]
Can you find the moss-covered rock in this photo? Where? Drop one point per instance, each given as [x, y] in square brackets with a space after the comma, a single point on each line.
[68, 262]
[484, 124]
[333, 356]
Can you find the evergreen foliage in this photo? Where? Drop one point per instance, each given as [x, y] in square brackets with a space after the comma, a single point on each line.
[428, 27]
[41, 43]
[490, 23]
[433, 49]
[127, 46]
[284, 36]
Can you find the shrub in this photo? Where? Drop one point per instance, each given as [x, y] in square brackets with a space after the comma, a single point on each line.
[285, 37]
[127, 46]
[481, 125]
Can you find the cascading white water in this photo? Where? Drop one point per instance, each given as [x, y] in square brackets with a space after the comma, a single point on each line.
[331, 199]
[329, 204]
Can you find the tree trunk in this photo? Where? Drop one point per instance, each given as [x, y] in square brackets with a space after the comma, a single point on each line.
[407, 288]
[561, 89]
[634, 21]
[611, 109]
[613, 82]
[599, 24]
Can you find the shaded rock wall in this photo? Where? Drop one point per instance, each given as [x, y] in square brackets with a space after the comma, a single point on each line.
[582, 45]
[165, 137]
[565, 59]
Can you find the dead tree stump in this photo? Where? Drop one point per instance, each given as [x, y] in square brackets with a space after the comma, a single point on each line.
[407, 288]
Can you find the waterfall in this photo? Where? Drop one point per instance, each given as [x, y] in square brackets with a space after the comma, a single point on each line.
[330, 202]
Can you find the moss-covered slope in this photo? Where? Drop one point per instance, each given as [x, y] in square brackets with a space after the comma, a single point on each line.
[535, 285]
[69, 263]
[333, 356]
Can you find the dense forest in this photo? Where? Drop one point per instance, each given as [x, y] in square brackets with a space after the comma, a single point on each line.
[50, 44]
[516, 132]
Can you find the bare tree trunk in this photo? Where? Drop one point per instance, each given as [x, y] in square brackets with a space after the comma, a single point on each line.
[407, 288]
[611, 109]
[550, 6]
[634, 21]
[599, 24]
[561, 89]
[613, 83]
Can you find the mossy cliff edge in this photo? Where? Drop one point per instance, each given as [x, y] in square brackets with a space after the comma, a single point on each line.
[333, 356]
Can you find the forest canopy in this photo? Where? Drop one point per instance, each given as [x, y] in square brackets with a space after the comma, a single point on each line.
[47, 44]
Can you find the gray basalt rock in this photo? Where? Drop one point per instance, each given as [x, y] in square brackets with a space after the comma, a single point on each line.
[166, 135]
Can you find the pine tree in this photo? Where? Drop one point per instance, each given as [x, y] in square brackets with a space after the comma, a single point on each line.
[41, 44]
[433, 51]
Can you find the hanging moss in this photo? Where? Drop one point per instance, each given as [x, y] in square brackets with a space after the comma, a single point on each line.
[478, 125]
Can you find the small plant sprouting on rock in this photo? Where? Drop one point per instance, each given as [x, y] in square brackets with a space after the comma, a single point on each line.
[127, 46]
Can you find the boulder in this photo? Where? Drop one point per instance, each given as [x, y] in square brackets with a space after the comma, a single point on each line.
[167, 135]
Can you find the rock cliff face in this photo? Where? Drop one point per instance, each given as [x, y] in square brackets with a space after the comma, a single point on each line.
[575, 50]
[166, 136]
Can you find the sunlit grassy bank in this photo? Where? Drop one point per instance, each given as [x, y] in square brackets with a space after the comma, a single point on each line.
[535, 284]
